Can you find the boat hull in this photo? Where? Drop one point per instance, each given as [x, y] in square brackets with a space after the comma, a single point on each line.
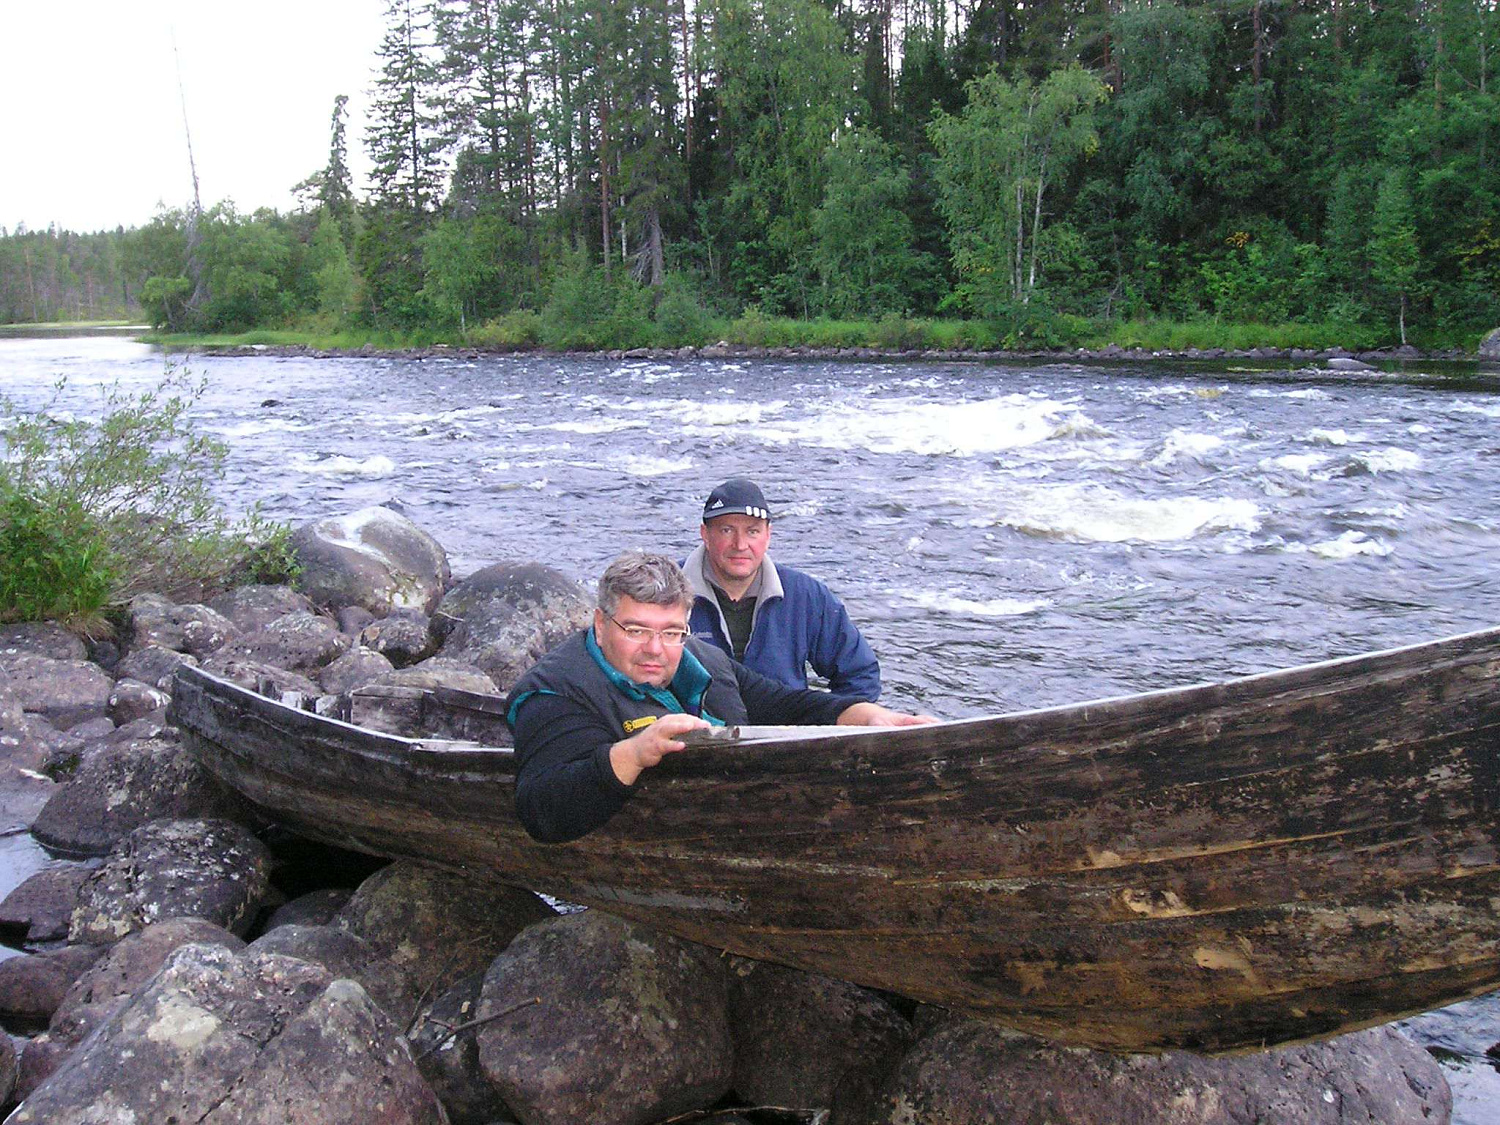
[1219, 867]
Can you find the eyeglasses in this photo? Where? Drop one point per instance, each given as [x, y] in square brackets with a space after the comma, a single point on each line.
[639, 634]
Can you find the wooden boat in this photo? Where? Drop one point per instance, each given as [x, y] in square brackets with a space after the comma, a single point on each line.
[1218, 867]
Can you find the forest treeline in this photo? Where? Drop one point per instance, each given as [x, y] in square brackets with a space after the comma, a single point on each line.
[624, 171]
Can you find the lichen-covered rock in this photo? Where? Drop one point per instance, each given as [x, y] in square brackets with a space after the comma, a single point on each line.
[213, 869]
[256, 675]
[218, 1038]
[437, 926]
[505, 617]
[123, 968]
[64, 692]
[196, 629]
[373, 707]
[799, 1036]
[41, 638]
[450, 1062]
[132, 700]
[32, 987]
[345, 955]
[153, 665]
[116, 789]
[41, 908]
[300, 642]
[971, 1073]
[375, 558]
[404, 637]
[632, 1025]
[357, 667]
[255, 606]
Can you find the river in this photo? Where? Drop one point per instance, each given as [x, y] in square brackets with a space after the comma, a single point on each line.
[1007, 536]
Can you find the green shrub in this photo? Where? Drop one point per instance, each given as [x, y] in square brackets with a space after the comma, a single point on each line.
[94, 512]
[519, 328]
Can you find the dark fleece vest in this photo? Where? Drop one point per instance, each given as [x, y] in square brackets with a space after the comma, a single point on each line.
[704, 686]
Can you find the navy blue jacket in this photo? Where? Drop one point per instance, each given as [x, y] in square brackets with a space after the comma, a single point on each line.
[572, 706]
[797, 623]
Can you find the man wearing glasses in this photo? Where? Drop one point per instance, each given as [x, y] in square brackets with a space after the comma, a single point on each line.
[768, 616]
[614, 699]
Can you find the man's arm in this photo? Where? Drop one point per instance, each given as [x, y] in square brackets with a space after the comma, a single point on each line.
[841, 655]
[572, 775]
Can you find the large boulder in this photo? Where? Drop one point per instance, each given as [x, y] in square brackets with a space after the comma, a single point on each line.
[971, 1073]
[154, 665]
[213, 869]
[218, 1038]
[404, 637]
[64, 692]
[119, 788]
[1489, 347]
[505, 617]
[437, 926]
[354, 669]
[301, 642]
[124, 968]
[255, 675]
[799, 1037]
[632, 1025]
[41, 638]
[315, 908]
[375, 558]
[41, 908]
[196, 629]
[345, 955]
[448, 1056]
[251, 607]
[32, 987]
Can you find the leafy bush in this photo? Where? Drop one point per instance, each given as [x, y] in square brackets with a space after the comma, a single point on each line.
[95, 512]
[520, 328]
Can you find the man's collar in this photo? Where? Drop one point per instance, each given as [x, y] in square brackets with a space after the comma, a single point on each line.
[699, 573]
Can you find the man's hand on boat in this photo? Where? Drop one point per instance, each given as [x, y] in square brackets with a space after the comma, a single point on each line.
[648, 746]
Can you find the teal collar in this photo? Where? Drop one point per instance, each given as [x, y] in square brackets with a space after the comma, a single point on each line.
[683, 695]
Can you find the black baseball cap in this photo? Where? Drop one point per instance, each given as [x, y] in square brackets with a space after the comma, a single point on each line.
[737, 497]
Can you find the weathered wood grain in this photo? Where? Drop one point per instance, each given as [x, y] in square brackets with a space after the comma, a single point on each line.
[1217, 867]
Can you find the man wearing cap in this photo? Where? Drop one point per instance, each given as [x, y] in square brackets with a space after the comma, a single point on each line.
[612, 700]
[768, 616]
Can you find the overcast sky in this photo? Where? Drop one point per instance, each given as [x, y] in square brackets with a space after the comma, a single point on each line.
[91, 124]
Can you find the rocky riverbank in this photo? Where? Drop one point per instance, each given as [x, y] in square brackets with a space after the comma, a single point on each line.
[1334, 358]
[203, 965]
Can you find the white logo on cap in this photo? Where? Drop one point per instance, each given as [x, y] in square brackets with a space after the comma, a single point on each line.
[716, 504]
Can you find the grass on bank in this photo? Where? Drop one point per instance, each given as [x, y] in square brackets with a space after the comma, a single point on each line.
[93, 512]
[526, 330]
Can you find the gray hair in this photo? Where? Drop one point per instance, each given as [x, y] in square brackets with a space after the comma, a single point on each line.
[644, 577]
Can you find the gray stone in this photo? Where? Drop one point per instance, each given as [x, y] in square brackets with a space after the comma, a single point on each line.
[799, 1036]
[255, 675]
[345, 955]
[972, 1073]
[64, 692]
[632, 1026]
[450, 1062]
[376, 709]
[299, 642]
[437, 926]
[504, 618]
[1348, 363]
[32, 987]
[10, 1068]
[375, 558]
[357, 667]
[253, 607]
[41, 638]
[1489, 347]
[132, 700]
[316, 908]
[195, 629]
[353, 618]
[219, 1038]
[153, 665]
[404, 637]
[41, 908]
[123, 968]
[118, 788]
[213, 869]
[41, 1055]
